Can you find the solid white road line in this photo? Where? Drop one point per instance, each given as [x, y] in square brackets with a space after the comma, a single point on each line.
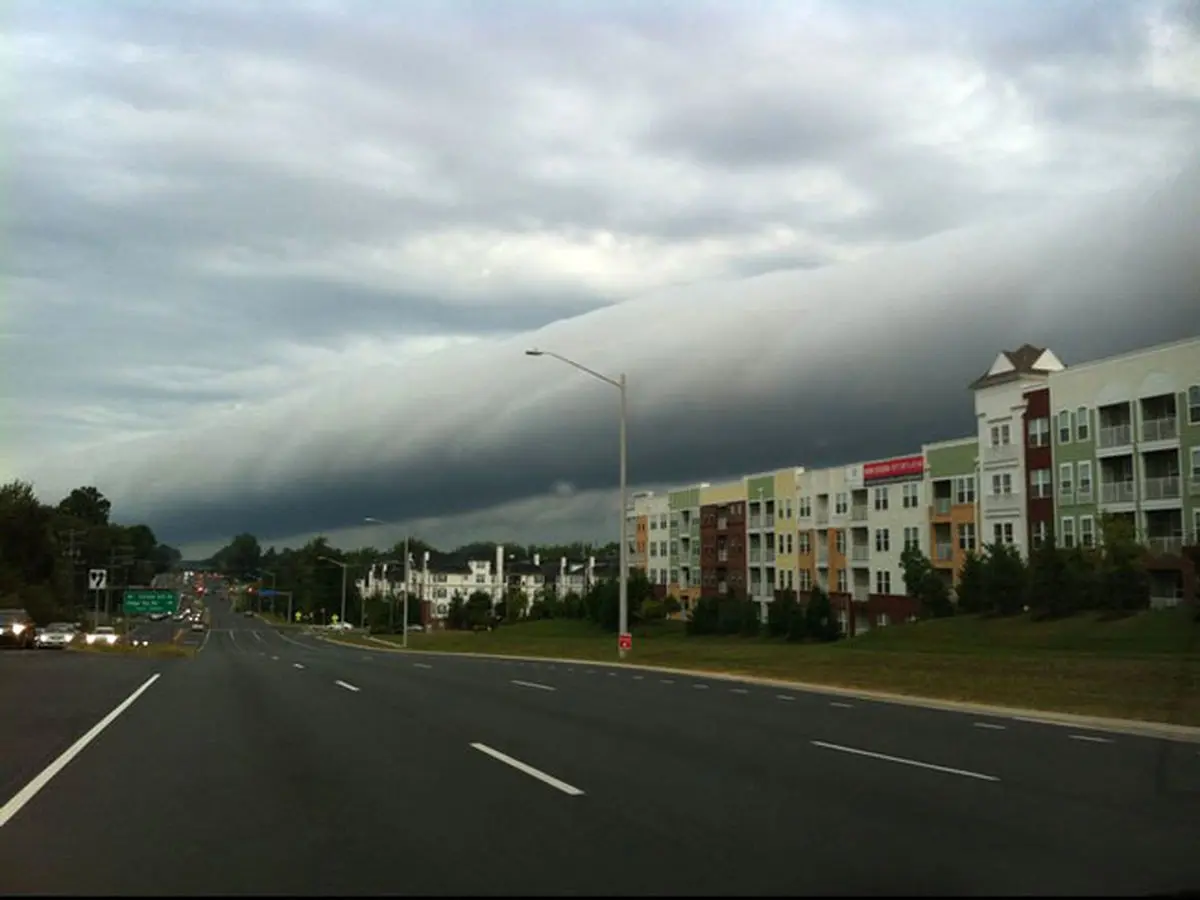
[907, 762]
[840, 705]
[534, 684]
[422, 666]
[347, 686]
[784, 697]
[1088, 737]
[529, 770]
[297, 665]
[27, 793]
[992, 725]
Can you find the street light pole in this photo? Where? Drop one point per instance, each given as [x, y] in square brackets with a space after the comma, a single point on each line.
[623, 576]
[344, 566]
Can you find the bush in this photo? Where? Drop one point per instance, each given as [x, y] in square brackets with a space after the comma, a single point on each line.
[971, 592]
[751, 618]
[820, 624]
[653, 611]
[705, 617]
[780, 612]
[1004, 584]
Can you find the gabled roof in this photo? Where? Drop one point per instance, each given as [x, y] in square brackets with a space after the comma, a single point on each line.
[1010, 365]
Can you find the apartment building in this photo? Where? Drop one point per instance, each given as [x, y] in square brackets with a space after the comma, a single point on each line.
[658, 539]
[683, 549]
[951, 486]
[759, 491]
[637, 524]
[723, 539]
[787, 532]
[1126, 442]
[1000, 411]
[440, 576]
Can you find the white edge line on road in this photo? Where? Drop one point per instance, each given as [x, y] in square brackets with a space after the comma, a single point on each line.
[534, 684]
[529, 770]
[347, 685]
[1091, 738]
[27, 793]
[422, 666]
[297, 665]
[992, 725]
[907, 762]
[294, 641]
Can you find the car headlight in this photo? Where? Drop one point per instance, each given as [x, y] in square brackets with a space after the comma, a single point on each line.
[18, 627]
[91, 639]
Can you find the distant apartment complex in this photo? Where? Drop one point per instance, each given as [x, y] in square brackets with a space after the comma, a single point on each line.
[1054, 448]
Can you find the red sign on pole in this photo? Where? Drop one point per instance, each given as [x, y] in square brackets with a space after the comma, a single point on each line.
[625, 641]
[894, 468]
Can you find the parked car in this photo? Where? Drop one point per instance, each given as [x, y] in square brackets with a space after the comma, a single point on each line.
[17, 629]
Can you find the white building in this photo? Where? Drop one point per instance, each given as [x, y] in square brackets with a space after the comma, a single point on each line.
[888, 512]
[657, 509]
[999, 412]
[437, 578]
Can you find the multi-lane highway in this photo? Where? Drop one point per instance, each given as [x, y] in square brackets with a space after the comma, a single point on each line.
[278, 763]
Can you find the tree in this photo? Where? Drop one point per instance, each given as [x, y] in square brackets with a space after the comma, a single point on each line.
[1125, 582]
[1004, 581]
[971, 591]
[652, 611]
[479, 609]
[779, 613]
[1047, 587]
[818, 613]
[87, 505]
[27, 546]
[925, 584]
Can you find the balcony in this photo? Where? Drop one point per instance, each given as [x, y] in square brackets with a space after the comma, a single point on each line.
[861, 553]
[769, 520]
[1160, 430]
[1116, 492]
[941, 505]
[1003, 502]
[769, 554]
[756, 521]
[944, 551]
[1112, 436]
[1001, 453]
[755, 555]
[822, 557]
[1165, 488]
[858, 513]
[823, 518]
[722, 556]
[1165, 545]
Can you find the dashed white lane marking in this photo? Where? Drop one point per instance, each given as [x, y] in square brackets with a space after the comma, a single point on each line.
[992, 725]
[204, 643]
[1090, 738]
[347, 685]
[589, 671]
[700, 687]
[612, 674]
[27, 793]
[907, 762]
[738, 691]
[840, 705]
[534, 684]
[666, 681]
[422, 666]
[258, 637]
[529, 770]
[275, 658]
[639, 677]
[784, 697]
[297, 665]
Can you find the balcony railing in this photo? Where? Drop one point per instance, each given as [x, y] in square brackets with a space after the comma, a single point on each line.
[1160, 430]
[1116, 492]
[944, 551]
[755, 555]
[769, 554]
[860, 554]
[1194, 486]
[756, 521]
[1111, 436]
[769, 520]
[823, 518]
[1001, 452]
[1167, 488]
[1005, 501]
[858, 514]
[941, 505]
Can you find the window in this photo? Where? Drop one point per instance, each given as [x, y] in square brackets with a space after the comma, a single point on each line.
[653, 524]
[1087, 531]
[1001, 435]
[1039, 432]
[662, 521]
[674, 576]
[805, 509]
[791, 546]
[912, 495]
[654, 548]
[662, 548]
[966, 536]
[1064, 427]
[1084, 487]
[787, 509]
[805, 545]
[1196, 464]
[1002, 484]
[1081, 423]
[842, 502]
[1066, 481]
[674, 548]
[840, 540]
[1039, 483]
[883, 582]
[1002, 533]
[1068, 531]
[842, 580]
[1196, 524]
[881, 498]
[1194, 405]
[964, 489]
[804, 580]
[1039, 533]
[883, 541]
[912, 537]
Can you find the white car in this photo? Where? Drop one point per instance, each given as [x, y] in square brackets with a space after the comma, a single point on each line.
[59, 635]
[105, 634]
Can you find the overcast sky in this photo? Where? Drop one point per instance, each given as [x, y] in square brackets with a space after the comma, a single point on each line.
[271, 266]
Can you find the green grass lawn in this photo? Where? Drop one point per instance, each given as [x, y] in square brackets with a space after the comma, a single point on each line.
[1145, 666]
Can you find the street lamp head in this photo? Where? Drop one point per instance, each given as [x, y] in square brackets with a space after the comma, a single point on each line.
[373, 520]
[533, 352]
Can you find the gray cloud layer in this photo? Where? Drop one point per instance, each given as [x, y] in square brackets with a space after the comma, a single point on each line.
[241, 238]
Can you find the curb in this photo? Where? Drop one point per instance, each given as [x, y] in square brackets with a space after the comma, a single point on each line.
[1162, 730]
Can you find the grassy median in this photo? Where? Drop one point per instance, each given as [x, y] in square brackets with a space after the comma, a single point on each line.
[1145, 666]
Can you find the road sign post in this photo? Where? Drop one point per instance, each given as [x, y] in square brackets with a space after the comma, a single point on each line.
[97, 582]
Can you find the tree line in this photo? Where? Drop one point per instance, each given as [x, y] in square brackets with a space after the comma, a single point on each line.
[47, 550]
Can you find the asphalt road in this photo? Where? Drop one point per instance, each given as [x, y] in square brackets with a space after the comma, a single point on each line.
[277, 763]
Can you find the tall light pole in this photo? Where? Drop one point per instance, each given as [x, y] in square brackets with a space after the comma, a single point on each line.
[623, 576]
[404, 626]
[344, 566]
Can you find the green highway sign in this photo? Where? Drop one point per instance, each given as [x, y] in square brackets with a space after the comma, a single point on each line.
[148, 602]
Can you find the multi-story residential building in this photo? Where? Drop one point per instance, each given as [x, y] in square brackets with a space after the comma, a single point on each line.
[683, 550]
[658, 540]
[723, 539]
[637, 524]
[1039, 466]
[526, 576]
[787, 487]
[440, 576]
[1126, 441]
[1000, 409]
[760, 536]
[952, 487]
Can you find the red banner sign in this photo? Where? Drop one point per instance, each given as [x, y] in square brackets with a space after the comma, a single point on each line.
[894, 468]
[625, 641]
